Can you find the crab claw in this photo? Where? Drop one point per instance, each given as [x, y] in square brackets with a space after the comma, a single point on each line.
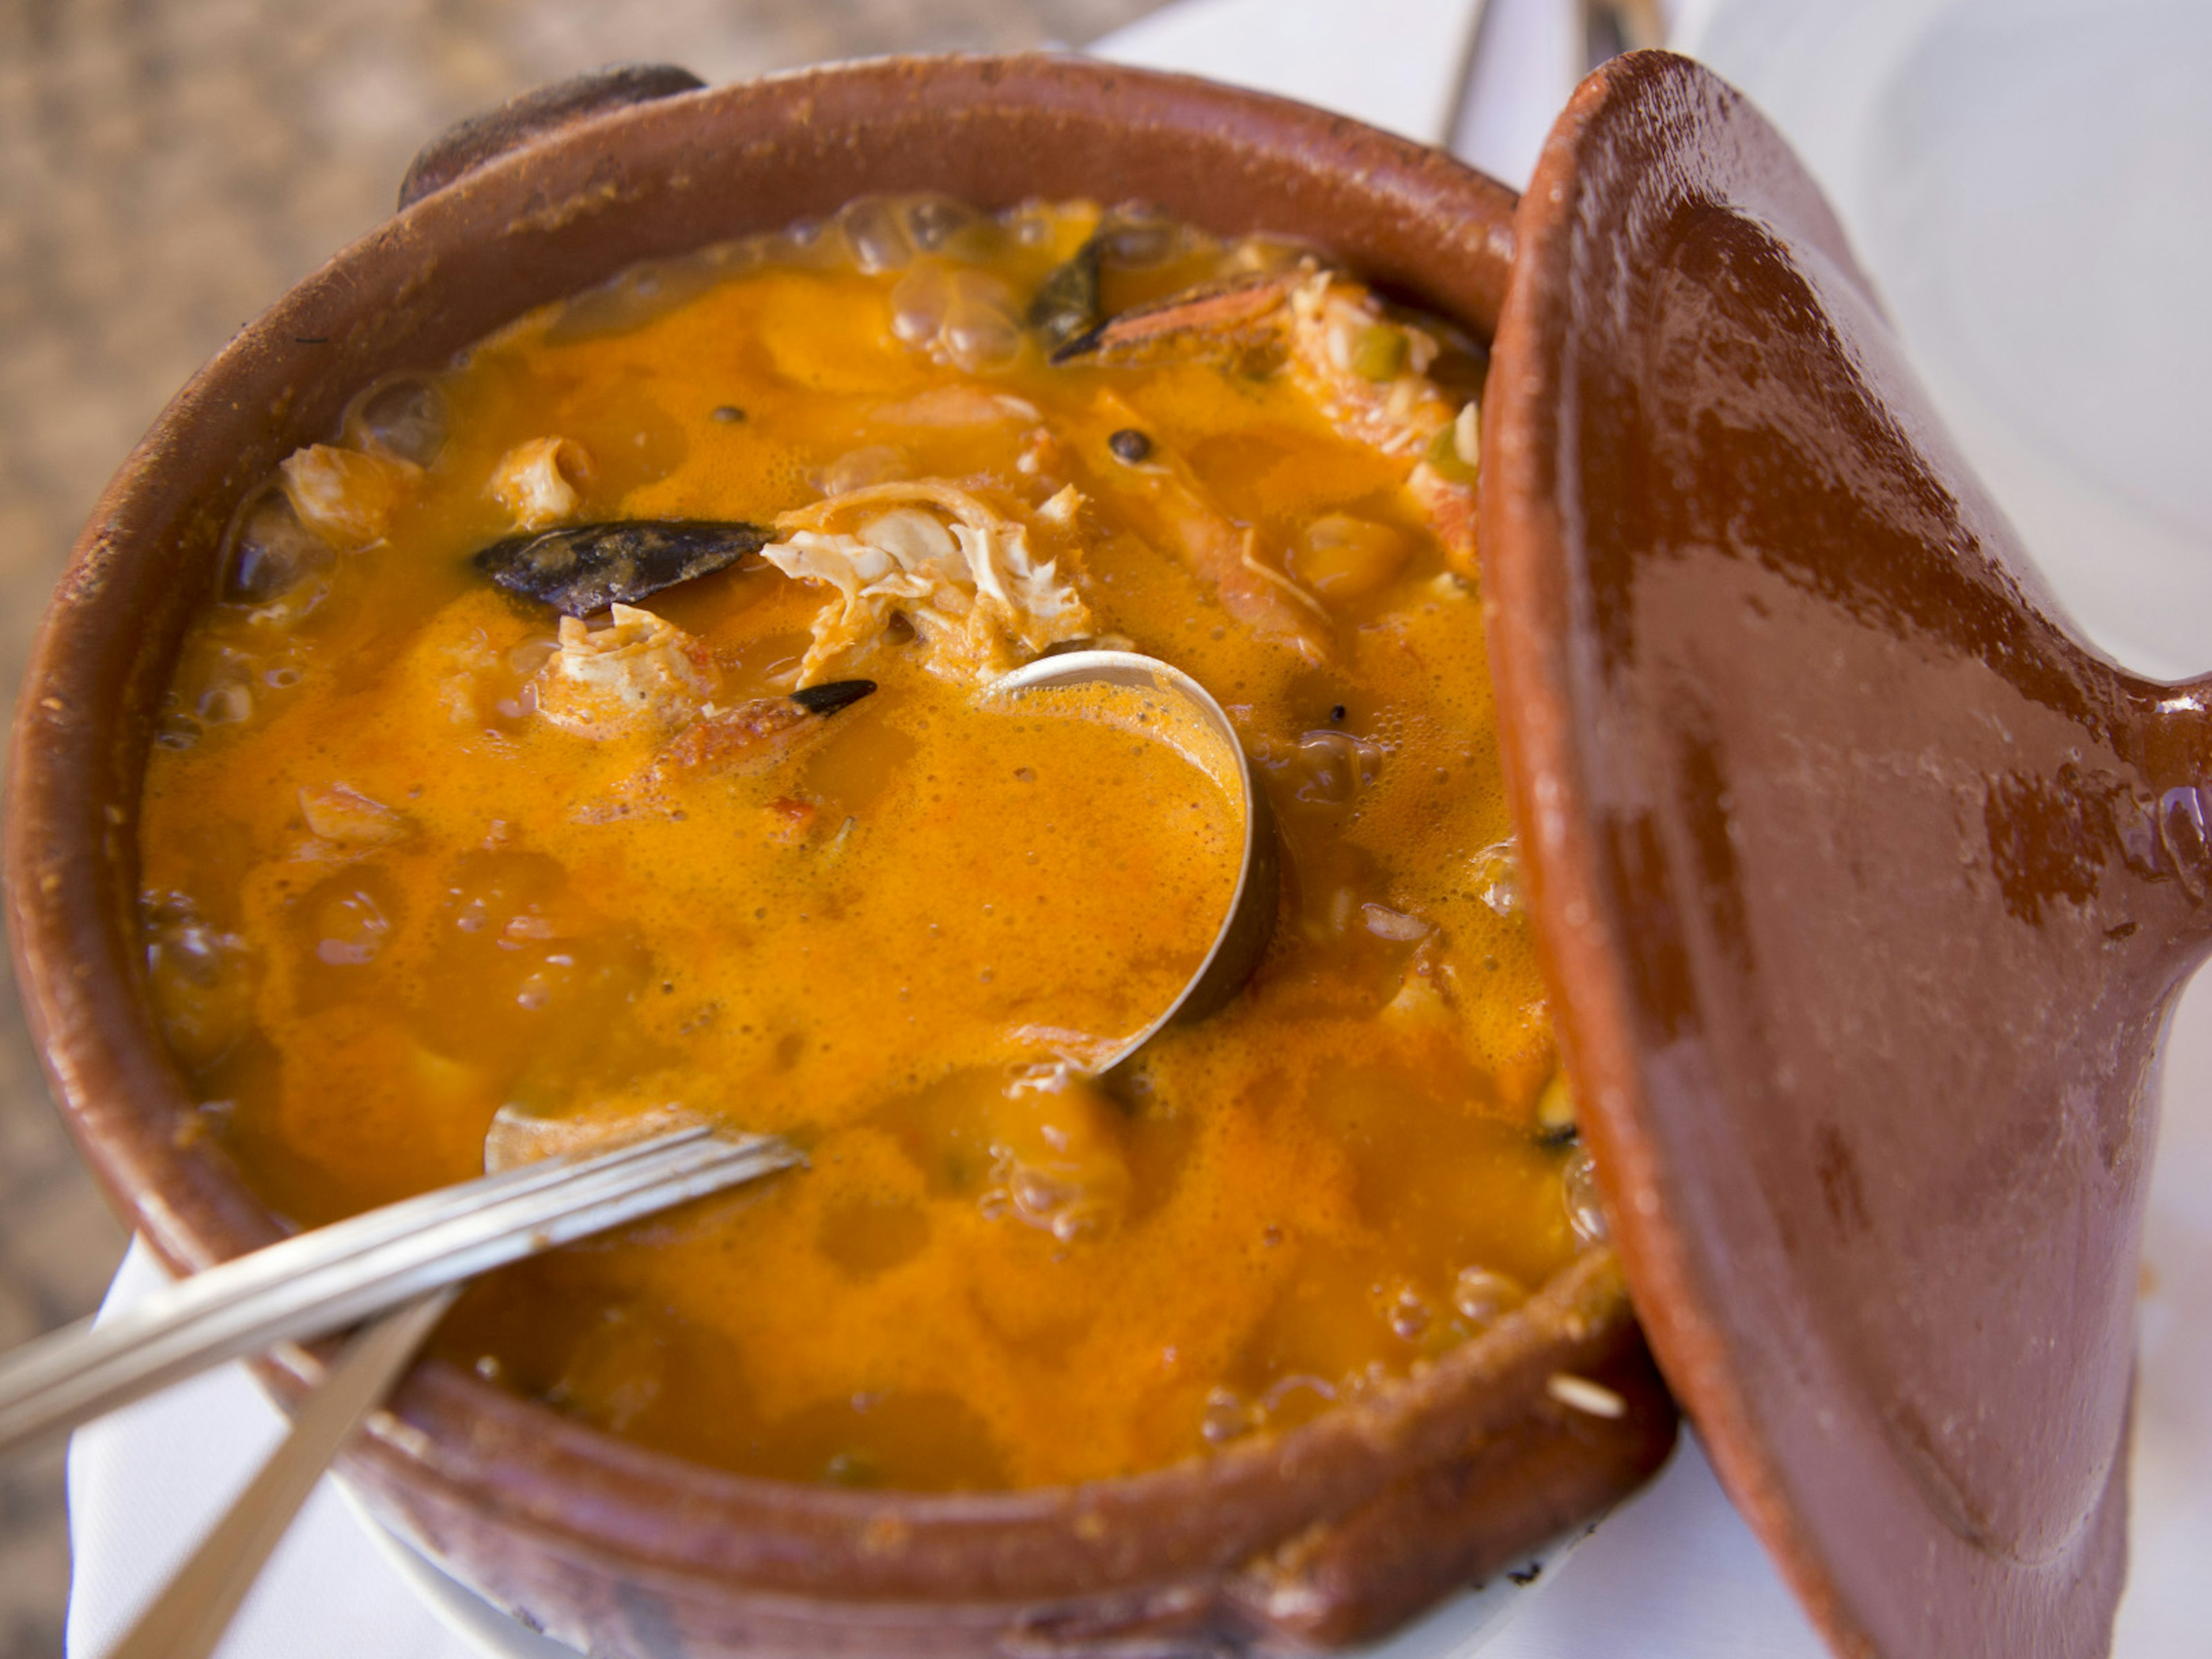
[1219, 321]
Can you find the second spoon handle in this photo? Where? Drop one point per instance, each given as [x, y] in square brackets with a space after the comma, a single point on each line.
[197, 1605]
[337, 1276]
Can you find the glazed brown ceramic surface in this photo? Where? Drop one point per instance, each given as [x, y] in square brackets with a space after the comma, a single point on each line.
[1864, 886]
[1333, 1531]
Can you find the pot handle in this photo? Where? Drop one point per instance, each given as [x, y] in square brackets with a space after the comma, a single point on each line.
[469, 145]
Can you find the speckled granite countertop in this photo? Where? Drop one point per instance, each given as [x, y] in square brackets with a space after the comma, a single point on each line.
[167, 167]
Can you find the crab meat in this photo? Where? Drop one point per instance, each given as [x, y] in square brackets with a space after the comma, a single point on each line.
[955, 406]
[1043, 462]
[960, 571]
[344, 495]
[790, 819]
[640, 676]
[857, 468]
[1062, 508]
[1225, 556]
[1442, 485]
[537, 482]
[724, 743]
[739, 740]
[1366, 371]
[1341, 556]
[1368, 374]
[1448, 505]
[349, 818]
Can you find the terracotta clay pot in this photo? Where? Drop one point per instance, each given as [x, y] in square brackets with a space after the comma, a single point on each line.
[1329, 1533]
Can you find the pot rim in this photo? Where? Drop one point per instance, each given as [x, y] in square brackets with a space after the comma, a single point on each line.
[108, 641]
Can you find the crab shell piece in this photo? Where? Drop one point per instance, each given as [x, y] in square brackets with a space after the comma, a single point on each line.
[1325, 1534]
[1219, 320]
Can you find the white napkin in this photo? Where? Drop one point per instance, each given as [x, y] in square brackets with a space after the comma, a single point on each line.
[147, 1482]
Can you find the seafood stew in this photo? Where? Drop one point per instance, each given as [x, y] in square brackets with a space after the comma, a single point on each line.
[601, 725]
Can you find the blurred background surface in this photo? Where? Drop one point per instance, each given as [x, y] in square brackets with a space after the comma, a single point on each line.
[168, 168]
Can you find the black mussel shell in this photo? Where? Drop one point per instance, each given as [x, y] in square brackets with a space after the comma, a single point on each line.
[828, 699]
[1067, 305]
[581, 568]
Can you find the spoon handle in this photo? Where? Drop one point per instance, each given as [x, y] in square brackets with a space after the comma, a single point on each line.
[335, 1277]
[197, 1605]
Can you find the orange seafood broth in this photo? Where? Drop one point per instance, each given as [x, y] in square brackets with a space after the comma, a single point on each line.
[383, 899]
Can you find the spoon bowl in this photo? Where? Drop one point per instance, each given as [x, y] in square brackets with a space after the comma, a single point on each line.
[1176, 710]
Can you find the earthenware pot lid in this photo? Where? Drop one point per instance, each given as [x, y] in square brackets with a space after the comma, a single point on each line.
[1864, 886]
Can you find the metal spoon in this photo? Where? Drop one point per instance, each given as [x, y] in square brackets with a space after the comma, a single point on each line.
[1191, 721]
[405, 1262]
[337, 1276]
[1177, 711]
